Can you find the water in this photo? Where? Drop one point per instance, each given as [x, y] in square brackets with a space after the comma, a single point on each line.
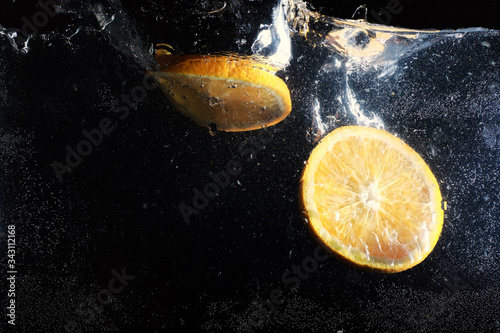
[211, 266]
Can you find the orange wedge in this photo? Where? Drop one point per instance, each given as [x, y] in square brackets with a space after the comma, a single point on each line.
[229, 92]
[371, 199]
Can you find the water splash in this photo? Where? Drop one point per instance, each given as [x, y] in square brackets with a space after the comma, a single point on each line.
[353, 108]
[362, 56]
[122, 34]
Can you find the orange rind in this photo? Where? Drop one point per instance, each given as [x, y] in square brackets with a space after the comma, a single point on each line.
[371, 200]
[230, 93]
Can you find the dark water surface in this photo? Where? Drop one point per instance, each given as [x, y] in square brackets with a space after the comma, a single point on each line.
[105, 248]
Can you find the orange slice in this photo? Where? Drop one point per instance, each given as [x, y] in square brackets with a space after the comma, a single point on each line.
[232, 93]
[371, 199]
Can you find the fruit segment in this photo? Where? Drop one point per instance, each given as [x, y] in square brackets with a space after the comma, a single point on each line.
[228, 92]
[372, 199]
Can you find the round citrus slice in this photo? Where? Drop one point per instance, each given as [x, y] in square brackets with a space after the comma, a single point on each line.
[228, 92]
[371, 199]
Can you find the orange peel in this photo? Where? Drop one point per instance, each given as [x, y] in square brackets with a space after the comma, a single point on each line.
[230, 92]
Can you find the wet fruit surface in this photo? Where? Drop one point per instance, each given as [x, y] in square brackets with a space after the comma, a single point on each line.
[225, 92]
[371, 199]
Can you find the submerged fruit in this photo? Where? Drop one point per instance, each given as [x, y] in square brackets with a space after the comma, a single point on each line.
[227, 92]
[371, 199]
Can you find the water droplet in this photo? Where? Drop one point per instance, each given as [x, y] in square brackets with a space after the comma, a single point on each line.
[212, 128]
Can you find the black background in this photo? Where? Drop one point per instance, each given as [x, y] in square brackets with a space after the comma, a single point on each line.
[119, 207]
[416, 14]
